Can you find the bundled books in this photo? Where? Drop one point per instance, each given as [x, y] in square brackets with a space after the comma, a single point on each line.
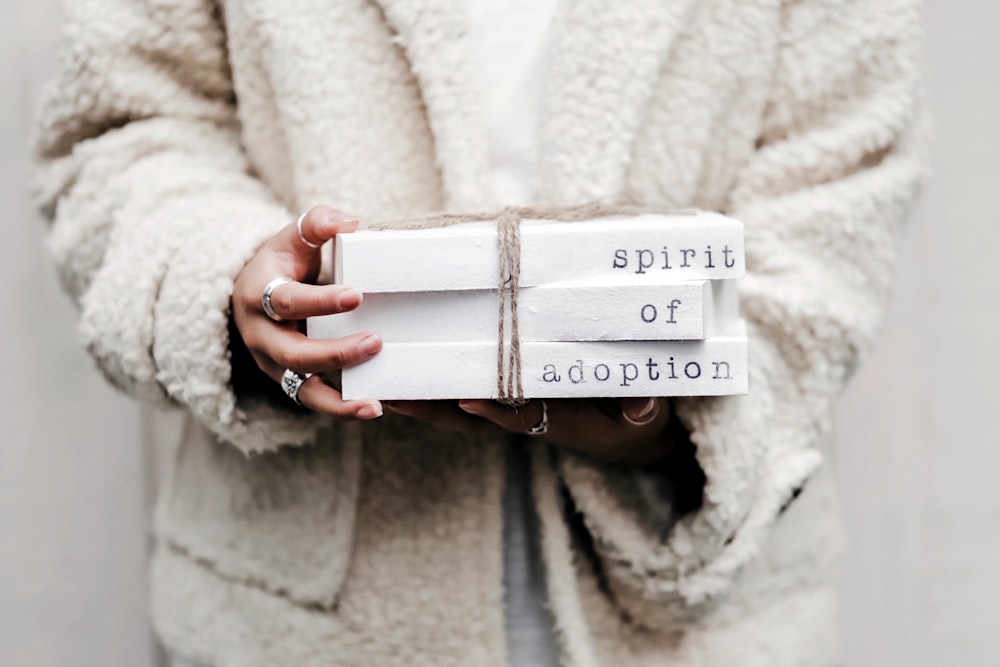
[638, 305]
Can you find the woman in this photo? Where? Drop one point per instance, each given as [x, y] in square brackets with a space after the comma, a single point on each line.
[176, 150]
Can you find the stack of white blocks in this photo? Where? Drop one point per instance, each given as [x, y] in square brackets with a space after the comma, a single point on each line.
[640, 305]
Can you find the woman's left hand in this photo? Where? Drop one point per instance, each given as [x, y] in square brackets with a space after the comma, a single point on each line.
[629, 430]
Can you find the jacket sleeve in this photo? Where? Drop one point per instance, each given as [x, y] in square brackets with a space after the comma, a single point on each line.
[154, 207]
[840, 160]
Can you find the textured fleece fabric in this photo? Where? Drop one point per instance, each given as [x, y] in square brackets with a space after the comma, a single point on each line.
[182, 133]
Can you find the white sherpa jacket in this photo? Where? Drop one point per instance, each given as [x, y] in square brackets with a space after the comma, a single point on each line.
[182, 133]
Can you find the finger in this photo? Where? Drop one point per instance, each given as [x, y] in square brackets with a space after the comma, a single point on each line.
[321, 397]
[288, 348]
[580, 427]
[318, 396]
[445, 414]
[297, 301]
[319, 225]
[574, 421]
[516, 419]
[575, 425]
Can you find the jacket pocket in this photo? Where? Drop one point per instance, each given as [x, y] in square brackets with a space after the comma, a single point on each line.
[281, 521]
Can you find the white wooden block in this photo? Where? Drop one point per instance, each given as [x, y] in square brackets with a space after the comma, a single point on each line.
[638, 249]
[681, 311]
[418, 371]
[725, 317]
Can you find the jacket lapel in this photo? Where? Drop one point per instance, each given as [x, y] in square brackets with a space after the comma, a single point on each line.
[434, 34]
[606, 60]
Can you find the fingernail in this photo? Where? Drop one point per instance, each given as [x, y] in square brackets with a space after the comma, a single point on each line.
[370, 344]
[343, 216]
[350, 298]
[645, 415]
[369, 411]
[469, 406]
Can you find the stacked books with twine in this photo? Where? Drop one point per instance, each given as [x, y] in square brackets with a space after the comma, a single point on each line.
[516, 307]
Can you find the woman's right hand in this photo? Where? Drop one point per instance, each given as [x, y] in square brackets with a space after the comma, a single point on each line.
[276, 346]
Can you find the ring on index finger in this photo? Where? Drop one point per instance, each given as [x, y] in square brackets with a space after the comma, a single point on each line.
[298, 226]
[265, 299]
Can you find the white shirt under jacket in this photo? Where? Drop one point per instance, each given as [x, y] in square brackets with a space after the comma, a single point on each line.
[510, 40]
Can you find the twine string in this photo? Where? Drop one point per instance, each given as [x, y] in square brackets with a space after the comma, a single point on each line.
[510, 392]
[510, 389]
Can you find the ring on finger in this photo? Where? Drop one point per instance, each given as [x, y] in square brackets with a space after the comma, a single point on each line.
[542, 427]
[298, 226]
[291, 382]
[265, 299]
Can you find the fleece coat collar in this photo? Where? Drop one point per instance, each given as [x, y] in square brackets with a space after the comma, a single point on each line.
[603, 64]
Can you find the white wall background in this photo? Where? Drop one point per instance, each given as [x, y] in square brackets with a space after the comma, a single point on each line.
[72, 540]
[920, 454]
[920, 446]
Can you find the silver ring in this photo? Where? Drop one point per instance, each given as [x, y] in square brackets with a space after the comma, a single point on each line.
[298, 226]
[291, 382]
[266, 298]
[542, 427]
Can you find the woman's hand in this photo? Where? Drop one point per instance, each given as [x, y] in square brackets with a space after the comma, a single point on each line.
[629, 430]
[276, 346]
